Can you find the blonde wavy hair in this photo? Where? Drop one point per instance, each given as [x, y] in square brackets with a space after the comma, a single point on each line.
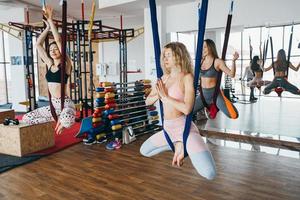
[181, 56]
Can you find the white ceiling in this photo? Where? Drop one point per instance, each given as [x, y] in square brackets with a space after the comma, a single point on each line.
[134, 8]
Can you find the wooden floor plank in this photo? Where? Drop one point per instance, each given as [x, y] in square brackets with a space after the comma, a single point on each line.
[91, 172]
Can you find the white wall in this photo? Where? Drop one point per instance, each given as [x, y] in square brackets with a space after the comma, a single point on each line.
[8, 14]
[18, 83]
[35, 16]
[109, 3]
[183, 17]
[109, 51]
[149, 48]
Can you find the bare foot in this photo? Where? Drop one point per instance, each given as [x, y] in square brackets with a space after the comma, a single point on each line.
[178, 155]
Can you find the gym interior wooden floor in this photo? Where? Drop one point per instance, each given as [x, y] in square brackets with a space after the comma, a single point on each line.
[92, 172]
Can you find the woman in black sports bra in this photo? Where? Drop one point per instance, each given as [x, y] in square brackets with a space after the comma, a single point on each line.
[281, 66]
[66, 117]
[210, 67]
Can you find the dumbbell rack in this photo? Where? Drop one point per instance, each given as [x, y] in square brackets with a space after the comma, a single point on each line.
[124, 105]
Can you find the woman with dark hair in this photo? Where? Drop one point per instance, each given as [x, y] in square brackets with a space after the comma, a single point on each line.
[256, 69]
[280, 67]
[66, 116]
[211, 65]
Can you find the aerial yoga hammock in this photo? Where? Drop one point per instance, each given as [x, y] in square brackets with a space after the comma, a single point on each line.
[63, 61]
[256, 67]
[280, 66]
[213, 99]
[193, 143]
[61, 109]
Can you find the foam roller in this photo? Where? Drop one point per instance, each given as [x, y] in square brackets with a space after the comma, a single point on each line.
[109, 95]
[100, 94]
[99, 89]
[108, 101]
[110, 105]
[98, 119]
[116, 127]
[109, 90]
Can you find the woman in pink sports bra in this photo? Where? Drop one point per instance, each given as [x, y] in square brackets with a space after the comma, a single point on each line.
[176, 91]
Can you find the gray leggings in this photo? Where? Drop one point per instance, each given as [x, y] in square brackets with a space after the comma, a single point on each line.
[222, 103]
[281, 82]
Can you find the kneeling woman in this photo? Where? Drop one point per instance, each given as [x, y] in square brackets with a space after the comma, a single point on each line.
[257, 81]
[209, 70]
[281, 66]
[66, 117]
[176, 91]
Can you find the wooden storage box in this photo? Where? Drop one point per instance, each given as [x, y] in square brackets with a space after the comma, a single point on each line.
[22, 139]
[4, 113]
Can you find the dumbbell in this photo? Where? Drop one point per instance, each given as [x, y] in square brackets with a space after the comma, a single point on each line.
[8, 121]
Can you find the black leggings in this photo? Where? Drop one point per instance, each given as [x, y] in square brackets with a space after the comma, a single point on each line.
[281, 82]
[222, 103]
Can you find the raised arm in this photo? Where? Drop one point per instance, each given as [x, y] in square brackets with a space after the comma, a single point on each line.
[49, 15]
[220, 64]
[268, 68]
[293, 67]
[260, 51]
[189, 95]
[39, 46]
